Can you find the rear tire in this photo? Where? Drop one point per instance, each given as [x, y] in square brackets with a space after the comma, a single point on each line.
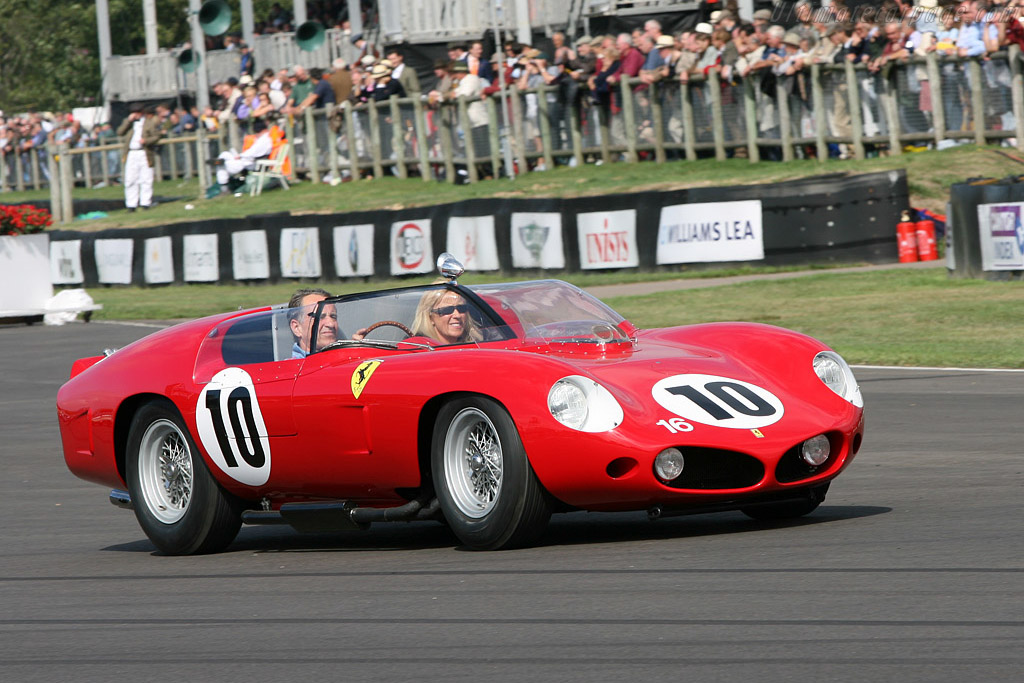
[178, 504]
[488, 492]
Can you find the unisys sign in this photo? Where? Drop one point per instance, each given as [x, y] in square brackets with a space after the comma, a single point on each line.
[607, 239]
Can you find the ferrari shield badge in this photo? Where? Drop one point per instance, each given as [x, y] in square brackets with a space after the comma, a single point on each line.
[362, 375]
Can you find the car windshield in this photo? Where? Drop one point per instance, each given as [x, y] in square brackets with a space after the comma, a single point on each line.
[553, 311]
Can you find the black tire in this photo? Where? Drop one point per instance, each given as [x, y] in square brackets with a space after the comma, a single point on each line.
[788, 510]
[488, 492]
[178, 504]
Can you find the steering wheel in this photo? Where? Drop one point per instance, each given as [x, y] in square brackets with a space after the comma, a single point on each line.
[384, 323]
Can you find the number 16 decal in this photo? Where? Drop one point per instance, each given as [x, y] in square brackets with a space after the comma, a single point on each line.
[718, 401]
[231, 427]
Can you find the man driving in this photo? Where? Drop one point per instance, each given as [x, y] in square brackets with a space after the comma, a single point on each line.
[301, 315]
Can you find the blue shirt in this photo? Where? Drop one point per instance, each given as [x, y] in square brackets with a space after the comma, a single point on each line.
[297, 351]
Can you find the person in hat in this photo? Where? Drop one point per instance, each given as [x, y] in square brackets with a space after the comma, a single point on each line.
[231, 164]
[762, 20]
[662, 66]
[140, 132]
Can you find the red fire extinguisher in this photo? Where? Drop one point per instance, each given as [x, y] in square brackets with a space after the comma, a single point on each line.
[906, 238]
[926, 249]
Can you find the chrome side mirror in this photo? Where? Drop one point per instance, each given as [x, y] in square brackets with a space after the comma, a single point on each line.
[449, 267]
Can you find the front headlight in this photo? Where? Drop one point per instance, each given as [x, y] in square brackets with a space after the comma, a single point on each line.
[831, 369]
[583, 404]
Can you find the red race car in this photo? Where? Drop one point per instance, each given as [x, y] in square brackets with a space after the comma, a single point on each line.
[489, 406]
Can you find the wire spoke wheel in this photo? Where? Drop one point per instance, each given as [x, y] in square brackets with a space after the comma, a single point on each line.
[473, 462]
[488, 492]
[165, 468]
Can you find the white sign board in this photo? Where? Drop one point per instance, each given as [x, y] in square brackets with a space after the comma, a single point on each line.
[200, 260]
[1002, 236]
[353, 250]
[249, 255]
[114, 261]
[411, 251]
[537, 241]
[715, 231]
[300, 252]
[66, 262]
[158, 268]
[24, 272]
[607, 239]
[472, 241]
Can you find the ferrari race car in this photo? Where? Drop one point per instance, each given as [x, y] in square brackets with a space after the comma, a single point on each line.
[487, 406]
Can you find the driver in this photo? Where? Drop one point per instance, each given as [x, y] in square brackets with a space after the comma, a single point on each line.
[444, 315]
[301, 313]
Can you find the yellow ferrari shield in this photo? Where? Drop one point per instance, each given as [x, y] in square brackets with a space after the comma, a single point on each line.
[362, 375]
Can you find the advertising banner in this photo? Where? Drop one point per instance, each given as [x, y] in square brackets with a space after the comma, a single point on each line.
[158, 268]
[66, 263]
[472, 241]
[537, 241]
[300, 252]
[1002, 236]
[24, 277]
[200, 260]
[607, 239]
[114, 261]
[715, 231]
[353, 250]
[411, 251]
[250, 257]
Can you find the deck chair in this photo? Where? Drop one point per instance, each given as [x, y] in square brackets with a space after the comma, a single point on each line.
[271, 167]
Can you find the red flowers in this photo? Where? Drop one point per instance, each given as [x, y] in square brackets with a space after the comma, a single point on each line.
[23, 219]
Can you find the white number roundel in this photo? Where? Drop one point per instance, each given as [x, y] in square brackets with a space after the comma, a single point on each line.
[718, 401]
[231, 427]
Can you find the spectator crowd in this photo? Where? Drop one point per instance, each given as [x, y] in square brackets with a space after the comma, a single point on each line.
[581, 77]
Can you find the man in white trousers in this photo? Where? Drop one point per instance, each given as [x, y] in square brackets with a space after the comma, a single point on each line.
[232, 163]
[140, 132]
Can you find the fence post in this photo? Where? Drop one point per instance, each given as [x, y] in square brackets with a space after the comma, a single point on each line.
[493, 139]
[201, 170]
[421, 139]
[353, 148]
[658, 123]
[374, 118]
[56, 201]
[467, 139]
[717, 125]
[312, 147]
[628, 117]
[33, 160]
[820, 122]
[977, 101]
[1017, 92]
[545, 127]
[517, 127]
[397, 137]
[172, 155]
[66, 182]
[604, 130]
[785, 119]
[186, 156]
[445, 132]
[574, 131]
[87, 167]
[689, 129]
[931, 63]
[892, 115]
[750, 117]
[19, 171]
[332, 143]
[856, 115]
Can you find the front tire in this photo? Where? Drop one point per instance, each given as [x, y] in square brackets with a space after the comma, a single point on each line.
[488, 492]
[177, 502]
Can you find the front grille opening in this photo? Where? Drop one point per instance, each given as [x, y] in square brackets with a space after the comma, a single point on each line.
[792, 467]
[712, 468]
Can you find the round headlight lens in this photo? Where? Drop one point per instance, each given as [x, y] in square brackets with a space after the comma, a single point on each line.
[568, 403]
[831, 369]
[669, 464]
[816, 450]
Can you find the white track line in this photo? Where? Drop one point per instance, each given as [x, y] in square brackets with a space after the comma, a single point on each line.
[931, 369]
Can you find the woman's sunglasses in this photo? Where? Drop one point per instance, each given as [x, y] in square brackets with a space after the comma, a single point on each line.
[448, 310]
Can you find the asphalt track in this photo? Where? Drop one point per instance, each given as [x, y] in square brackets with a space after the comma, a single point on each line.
[912, 569]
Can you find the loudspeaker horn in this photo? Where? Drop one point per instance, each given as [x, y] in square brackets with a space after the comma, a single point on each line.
[310, 35]
[188, 60]
[214, 17]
